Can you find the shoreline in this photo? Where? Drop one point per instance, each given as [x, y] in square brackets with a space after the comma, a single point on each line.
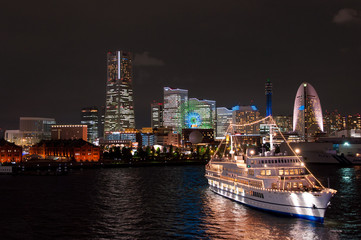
[63, 168]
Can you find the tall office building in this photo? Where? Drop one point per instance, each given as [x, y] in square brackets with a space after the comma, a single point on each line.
[243, 115]
[307, 112]
[119, 111]
[174, 100]
[199, 114]
[101, 117]
[156, 115]
[268, 92]
[332, 122]
[224, 118]
[90, 117]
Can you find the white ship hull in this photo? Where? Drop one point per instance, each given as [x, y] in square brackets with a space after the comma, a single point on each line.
[306, 205]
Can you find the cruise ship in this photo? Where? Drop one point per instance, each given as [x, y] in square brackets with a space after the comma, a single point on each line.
[277, 183]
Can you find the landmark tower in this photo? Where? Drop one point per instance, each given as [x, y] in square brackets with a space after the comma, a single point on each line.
[119, 110]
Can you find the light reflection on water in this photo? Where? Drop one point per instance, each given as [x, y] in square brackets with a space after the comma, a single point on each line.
[161, 203]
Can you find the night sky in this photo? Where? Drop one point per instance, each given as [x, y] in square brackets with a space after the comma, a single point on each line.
[53, 53]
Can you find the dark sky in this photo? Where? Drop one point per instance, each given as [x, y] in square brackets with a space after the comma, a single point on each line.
[53, 53]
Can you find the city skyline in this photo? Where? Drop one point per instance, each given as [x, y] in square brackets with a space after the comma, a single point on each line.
[65, 54]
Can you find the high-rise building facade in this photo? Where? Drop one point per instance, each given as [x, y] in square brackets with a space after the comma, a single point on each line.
[174, 101]
[224, 118]
[332, 122]
[268, 92]
[246, 114]
[307, 112]
[90, 117]
[199, 114]
[119, 110]
[156, 115]
[284, 123]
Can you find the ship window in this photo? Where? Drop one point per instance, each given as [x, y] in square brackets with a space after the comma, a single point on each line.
[268, 172]
[292, 172]
[294, 185]
[286, 172]
[262, 161]
[300, 185]
[280, 172]
[296, 171]
[263, 172]
[252, 162]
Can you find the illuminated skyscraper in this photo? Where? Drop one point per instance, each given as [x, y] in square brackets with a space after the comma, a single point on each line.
[90, 117]
[174, 99]
[307, 112]
[119, 111]
[243, 115]
[268, 92]
[332, 122]
[156, 115]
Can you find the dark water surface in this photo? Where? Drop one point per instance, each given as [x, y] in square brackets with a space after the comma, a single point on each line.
[161, 203]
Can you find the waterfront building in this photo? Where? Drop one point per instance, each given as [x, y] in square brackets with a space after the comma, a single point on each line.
[148, 137]
[31, 131]
[119, 111]
[165, 136]
[174, 101]
[307, 112]
[332, 122]
[66, 132]
[156, 114]
[200, 114]
[246, 114]
[129, 134]
[9, 152]
[268, 92]
[70, 150]
[224, 118]
[90, 117]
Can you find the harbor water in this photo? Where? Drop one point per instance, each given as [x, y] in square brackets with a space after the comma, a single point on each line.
[161, 203]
